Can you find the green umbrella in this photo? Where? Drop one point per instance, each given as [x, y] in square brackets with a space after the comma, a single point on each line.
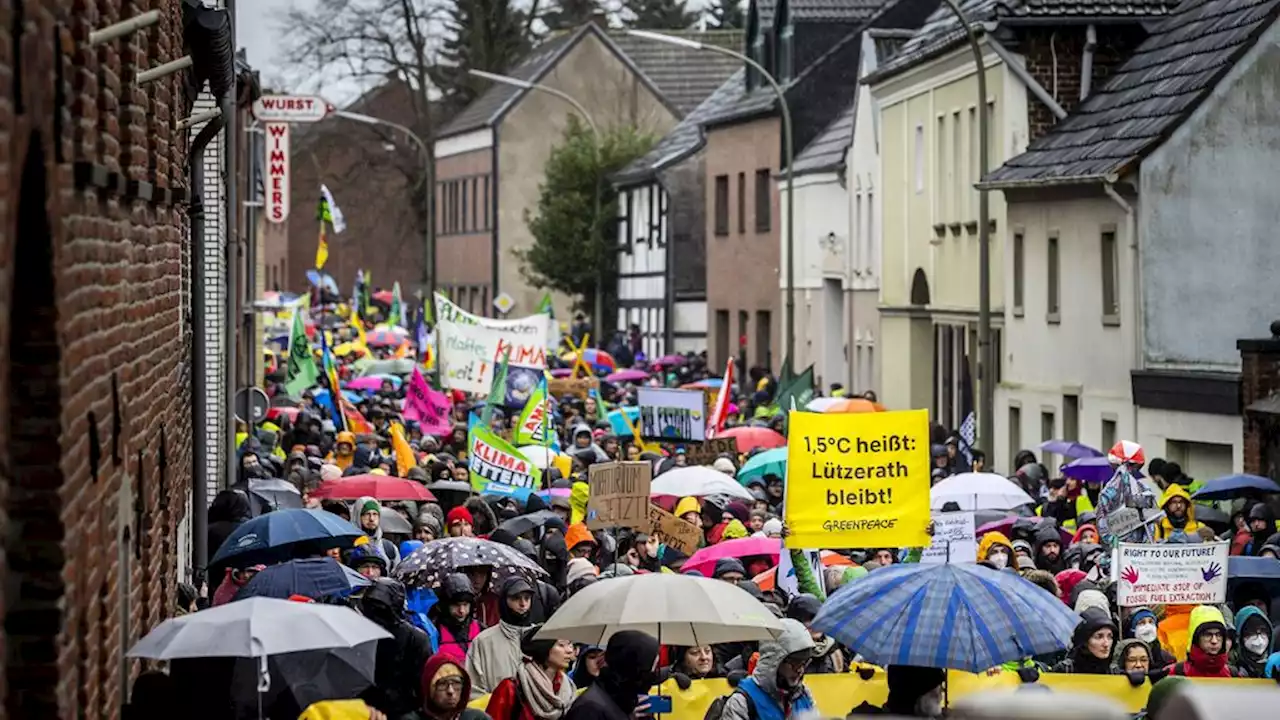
[769, 462]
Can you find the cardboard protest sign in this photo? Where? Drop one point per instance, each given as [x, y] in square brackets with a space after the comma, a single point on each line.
[619, 495]
[707, 451]
[1122, 521]
[578, 387]
[1167, 574]
[494, 462]
[672, 415]
[470, 347]
[953, 539]
[676, 533]
[858, 480]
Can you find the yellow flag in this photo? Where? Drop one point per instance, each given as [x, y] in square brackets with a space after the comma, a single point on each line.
[359, 326]
[322, 249]
[404, 454]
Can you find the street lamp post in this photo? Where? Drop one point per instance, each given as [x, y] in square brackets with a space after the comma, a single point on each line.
[595, 147]
[986, 364]
[789, 154]
[429, 239]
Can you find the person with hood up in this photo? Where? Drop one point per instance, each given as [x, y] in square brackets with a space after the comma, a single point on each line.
[914, 691]
[580, 542]
[1142, 625]
[367, 559]
[587, 668]
[1132, 658]
[775, 690]
[400, 658]
[344, 451]
[584, 444]
[369, 521]
[229, 509]
[631, 669]
[1262, 526]
[827, 655]
[541, 688]
[1086, 534]
[1047, 549]
[1253, 642]
[455, 617]
[232, 581]
[996, 550]
[1207, 646]
[1091, 645]
[495, 654]
[1180, 514]
[445, 689]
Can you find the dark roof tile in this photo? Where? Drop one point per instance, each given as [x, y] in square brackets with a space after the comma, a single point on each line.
[1088, 8]
[827, 151]
[1167, 77]
[685, 76]
[834, 10]
[940, 31]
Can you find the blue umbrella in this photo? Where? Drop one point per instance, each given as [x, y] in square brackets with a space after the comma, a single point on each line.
[1235, 486]
[277, 536]
[1264, 571]
[1071, 449]
[961, 617]
[617, 422]
[312, 577]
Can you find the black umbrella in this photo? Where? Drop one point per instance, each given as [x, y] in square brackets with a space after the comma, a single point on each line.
[428, 565]
[268, 494]
[522, 524]
[1213, 517]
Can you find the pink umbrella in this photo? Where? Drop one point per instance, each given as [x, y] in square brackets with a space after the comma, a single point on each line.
[629, 375]
[562, 372]
[704, 560]
[370, 383]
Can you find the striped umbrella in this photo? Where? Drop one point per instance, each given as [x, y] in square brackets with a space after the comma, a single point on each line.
[961, 617]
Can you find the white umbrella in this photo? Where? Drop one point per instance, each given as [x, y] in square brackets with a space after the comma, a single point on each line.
[698, 481]
[675, 609]
[820, 404]
[257, 627]
[542, 457]
[978, 491]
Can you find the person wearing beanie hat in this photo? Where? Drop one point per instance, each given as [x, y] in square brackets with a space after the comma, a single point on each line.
[329, 471]
[367, 516]
[541, 688]
[1022, 548]
[1161, 693]
[495, 653]
[428, 527]
[460, 522]
[724, 465]
[733, 530]
[772, 528]
[1092, 599]
[579, 569]
[914, 691]
[729, 570]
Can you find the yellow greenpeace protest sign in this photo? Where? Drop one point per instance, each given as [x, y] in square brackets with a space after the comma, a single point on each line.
[858, 480]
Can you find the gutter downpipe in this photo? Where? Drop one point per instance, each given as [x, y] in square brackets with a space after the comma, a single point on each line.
[228, 104]
[1021, 73]
[1108, 186]
[1086, 61]
[199, 370]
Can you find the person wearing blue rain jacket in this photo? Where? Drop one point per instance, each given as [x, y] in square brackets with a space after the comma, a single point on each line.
[776, 689]
[419, 601]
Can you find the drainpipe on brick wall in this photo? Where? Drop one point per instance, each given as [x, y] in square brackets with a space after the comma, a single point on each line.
[1021, 73]
[228, 104]
[1086, 62]
[1131, 223]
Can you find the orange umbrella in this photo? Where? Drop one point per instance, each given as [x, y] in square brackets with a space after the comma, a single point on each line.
[768, 579]
[855, 405]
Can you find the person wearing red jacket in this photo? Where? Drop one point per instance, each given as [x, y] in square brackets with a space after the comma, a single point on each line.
[1207, 650]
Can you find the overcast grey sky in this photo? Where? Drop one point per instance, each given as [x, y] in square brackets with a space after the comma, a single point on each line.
[257, 31]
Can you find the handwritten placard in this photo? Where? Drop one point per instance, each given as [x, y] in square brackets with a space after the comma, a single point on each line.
[707, 451]
[673, 531]
[619, 495]
[953, 539]
[577, 387]
[1165, 574]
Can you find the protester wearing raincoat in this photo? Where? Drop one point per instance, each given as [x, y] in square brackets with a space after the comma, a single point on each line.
[1180, 513]
[776, 690]
[996, 549]
[1253, 642]
[1207, 646]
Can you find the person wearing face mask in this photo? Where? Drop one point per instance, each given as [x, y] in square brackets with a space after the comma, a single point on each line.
[1253, 647]
[995, 550]
[495, 654]
[776, 688]
[1091, 645]
[1207, 647]
[630, 671]
[1142, 625]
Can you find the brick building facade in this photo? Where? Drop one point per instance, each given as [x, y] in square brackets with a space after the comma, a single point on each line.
[1260, 398]
[95, 459]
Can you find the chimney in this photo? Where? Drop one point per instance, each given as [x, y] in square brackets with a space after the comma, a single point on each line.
[1260, 398]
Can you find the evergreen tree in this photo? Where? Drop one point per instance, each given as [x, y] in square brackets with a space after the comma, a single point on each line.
[569, 14]
[661, 14]
[487, 35]
[726, 15]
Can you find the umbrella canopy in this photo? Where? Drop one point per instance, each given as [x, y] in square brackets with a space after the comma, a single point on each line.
[257, 627]
[1231, 487]
[978, 491]
[276, 536]
[713, 383]
[386, 336]
[704, 560]
[276, 412]
[268, 494]
[820, 404]
[393, 522]
[854, 405]
[961, 617]
[598, 360]
[373, 383]
[431, 562]
[670, 361]
[380, 487]
[311, 577]
[1261, 570]
[1127, 451]
[522, 524]
[628, 375]
[1005, 527]
[675, 609]
[698, 481]
[562, 372]
[1094, 470]
[398, 366]
[543, 457]
[750, 438]
[769, 462]
[1070, 448]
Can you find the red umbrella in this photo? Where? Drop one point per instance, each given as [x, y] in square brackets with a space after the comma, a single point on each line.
[289, 412]
[750, 437]
[380, 487]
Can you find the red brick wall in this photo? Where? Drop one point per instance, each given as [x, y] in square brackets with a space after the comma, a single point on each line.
[94, 395]
[1259, 379]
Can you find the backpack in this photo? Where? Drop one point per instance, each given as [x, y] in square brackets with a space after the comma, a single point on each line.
[716, 710]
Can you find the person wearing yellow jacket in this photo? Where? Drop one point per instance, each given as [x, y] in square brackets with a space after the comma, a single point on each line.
[1180, 513]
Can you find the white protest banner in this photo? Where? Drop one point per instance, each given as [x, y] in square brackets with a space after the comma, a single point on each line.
[1165, 574]
[786, 578]
[470, 347]
[953, 539]
[668, 414]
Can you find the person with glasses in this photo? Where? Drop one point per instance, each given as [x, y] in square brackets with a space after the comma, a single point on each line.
[1207, 649]
[445, 691]
[776, 687]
